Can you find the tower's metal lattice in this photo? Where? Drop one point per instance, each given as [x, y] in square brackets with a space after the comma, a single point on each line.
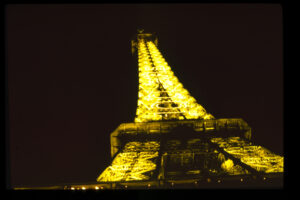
[161, 96]
[175, 142]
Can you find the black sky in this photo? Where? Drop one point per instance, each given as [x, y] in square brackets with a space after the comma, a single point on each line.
[72, 79]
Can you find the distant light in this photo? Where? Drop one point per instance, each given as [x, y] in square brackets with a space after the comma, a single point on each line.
[97, 188]
[125, 186]
[219, 181]
[242, 180]
[196, 182]
[208, 180]
[149, 185]
[72, 188]
[83, 188]
[265, 178]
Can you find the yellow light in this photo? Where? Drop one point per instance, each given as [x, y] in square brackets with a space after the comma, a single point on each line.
[227, 165]
[155, 73]
[72, 188]
[256, 157]
[130, 165]
[97, 188]
[83, 188]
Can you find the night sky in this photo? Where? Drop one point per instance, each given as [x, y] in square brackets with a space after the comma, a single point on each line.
[72, 78]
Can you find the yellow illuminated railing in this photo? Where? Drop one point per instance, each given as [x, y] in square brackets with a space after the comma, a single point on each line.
[161, 96]
[256, 157]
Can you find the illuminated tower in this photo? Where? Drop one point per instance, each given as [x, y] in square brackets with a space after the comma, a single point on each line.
[175, 142]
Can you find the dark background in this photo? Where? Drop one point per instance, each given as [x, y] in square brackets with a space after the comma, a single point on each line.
[72, 79]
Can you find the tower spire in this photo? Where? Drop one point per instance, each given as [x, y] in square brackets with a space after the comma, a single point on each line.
[161, 96]
[140, 30]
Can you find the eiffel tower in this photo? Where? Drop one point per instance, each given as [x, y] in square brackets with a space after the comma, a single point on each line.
[175, 143]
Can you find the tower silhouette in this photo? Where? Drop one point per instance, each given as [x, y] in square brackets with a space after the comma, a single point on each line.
[175, 143]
